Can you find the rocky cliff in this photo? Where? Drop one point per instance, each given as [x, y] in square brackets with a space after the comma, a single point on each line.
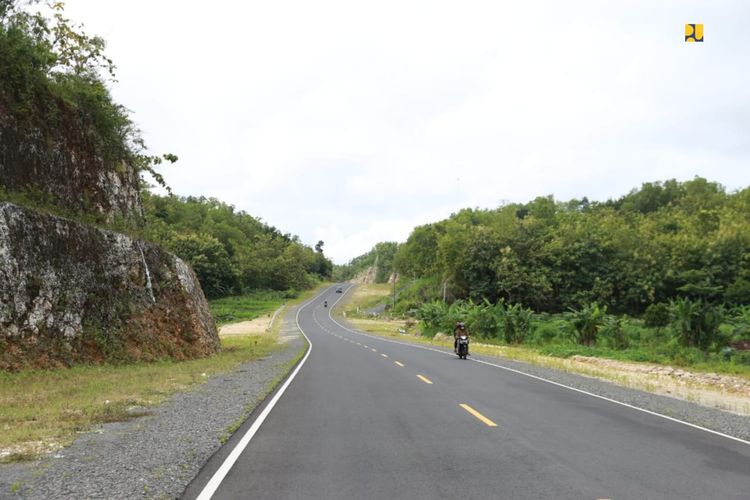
[66, 165]
[71, 292]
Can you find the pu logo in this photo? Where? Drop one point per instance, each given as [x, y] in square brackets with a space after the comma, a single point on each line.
[693, 32]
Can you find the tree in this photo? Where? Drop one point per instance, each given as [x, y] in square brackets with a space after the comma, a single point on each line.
[210, 261]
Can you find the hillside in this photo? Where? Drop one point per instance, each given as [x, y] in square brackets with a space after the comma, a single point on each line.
[73, 291]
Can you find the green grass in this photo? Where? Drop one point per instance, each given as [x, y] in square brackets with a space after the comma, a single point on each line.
[52, 406]
[249, 306]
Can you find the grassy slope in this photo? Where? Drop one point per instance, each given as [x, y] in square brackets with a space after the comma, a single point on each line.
[246, 307]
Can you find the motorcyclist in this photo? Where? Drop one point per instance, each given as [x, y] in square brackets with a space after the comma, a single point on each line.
[459, 330]
[325, 303]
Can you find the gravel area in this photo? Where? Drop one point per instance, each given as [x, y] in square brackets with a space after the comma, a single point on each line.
[158, 455]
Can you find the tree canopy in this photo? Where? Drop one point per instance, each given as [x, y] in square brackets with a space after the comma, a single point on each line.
[659, 242]
[231, 251]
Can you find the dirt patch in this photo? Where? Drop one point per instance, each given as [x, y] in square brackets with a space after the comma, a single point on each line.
[725, 392]
[258, 326]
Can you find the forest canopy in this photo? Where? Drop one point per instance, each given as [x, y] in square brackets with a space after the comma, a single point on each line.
[659, 242]
[231, 251]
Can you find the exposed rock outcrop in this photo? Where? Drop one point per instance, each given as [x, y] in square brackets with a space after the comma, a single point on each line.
[366, 276]
[65, 164]
[71, 293]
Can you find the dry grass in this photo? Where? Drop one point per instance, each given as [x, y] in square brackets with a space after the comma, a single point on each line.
[364, 297]
[43, 410]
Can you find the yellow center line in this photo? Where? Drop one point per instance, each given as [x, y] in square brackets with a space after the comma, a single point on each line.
[481, 417]
[384, 355]
[399, 363]
[424, 379]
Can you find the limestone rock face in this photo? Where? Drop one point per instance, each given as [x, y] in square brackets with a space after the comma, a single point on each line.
[65, 165]
[75, 293]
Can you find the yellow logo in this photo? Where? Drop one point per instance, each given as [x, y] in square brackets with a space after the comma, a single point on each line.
[693, 32]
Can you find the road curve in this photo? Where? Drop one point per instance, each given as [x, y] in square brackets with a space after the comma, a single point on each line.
[369, 418]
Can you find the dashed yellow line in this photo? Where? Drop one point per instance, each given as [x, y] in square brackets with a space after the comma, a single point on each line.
[424, 379]
[399, 363]
[384, 355]
[485, 420]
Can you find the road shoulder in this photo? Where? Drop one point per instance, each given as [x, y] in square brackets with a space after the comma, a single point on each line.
[157, 456]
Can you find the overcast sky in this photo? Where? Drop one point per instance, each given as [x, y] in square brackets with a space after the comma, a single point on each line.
[352, 122]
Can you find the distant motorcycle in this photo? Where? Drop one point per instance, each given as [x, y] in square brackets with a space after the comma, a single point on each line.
[325, 303]
[462, 349]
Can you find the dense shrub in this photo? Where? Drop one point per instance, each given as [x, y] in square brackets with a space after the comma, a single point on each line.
[695, 323]
[657, 315]
[586, 322]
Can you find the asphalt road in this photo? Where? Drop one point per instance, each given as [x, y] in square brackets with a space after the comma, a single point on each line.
[366, 418]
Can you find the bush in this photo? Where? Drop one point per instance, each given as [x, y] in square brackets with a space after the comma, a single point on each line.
[688, 356]
[516, 323]
[432, 314]
[657, 315]
[546, 332]
[695, 323]
[613, 330]
[586, 322]
[484, 319]
[741, 358]
[739, 321]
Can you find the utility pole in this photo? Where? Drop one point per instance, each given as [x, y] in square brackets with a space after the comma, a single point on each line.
[394, 292]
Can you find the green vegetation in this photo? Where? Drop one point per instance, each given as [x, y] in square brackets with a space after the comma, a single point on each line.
[695, 335]
[249, 306]
[53, 406]
[663, 241]
[575, 277]
[52, 71]
[232, 252]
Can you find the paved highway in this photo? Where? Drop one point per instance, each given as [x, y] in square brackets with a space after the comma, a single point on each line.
[369, 418]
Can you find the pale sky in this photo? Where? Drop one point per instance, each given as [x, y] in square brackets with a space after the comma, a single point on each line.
[352, 122]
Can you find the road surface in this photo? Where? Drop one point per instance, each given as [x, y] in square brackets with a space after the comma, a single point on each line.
[368, 418]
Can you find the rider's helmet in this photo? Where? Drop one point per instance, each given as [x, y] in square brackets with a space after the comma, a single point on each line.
[461, 325]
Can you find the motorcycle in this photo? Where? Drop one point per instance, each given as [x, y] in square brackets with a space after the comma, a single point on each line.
[462, 348]
[325, 303]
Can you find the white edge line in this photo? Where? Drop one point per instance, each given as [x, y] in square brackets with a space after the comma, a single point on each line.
[581, 391]
[215, 481]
